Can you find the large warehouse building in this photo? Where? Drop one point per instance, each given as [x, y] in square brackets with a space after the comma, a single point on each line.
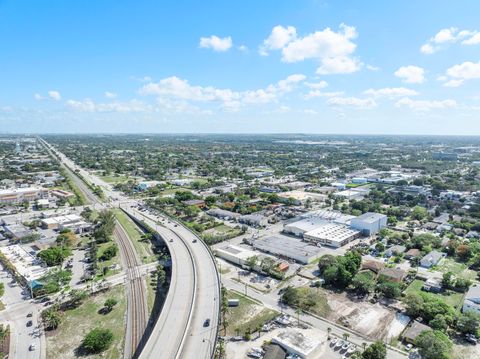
[299, 228]
[332, 235]
[287, 247]
[369, 223]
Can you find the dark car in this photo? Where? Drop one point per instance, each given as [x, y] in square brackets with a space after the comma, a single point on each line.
[29, 323]
[206, 323]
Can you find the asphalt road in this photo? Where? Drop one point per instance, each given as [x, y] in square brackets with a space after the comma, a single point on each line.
[193, 297]
[194, 293]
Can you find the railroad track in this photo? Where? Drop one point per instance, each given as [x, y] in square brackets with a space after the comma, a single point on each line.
[136, 297]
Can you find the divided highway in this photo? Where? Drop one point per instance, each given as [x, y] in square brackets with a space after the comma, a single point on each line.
[188, 324]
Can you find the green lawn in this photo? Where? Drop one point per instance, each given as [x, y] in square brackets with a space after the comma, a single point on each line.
[459, 269]
[450, 297]
[248, 315]
[117, 178]
[144, 249]
[76, 323]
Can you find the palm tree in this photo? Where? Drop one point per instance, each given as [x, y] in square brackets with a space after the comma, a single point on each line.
[364, 345]
[345, 336]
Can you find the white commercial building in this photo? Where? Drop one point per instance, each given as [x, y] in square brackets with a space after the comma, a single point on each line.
[296, 342]
[369, 223]
[331, 234]
[27, 265]
[288, 247]
[238, 255]
[19, 195]
[299, 228]
[73, 222]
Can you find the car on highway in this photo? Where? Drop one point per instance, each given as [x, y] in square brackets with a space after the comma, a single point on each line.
[194, 241]
[206, 323]
[29, 315]
[29, 323]
[32, 347]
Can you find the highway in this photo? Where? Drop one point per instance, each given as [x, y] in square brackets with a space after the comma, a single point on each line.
[181, 331]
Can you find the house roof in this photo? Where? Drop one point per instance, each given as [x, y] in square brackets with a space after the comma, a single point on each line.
[393, 273]
[412, 332]
[274, 351]
[433, 257]
[473, 294]
[374, 266]
[414, 252]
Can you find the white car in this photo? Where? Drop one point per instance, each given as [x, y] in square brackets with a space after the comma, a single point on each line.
[408, 347]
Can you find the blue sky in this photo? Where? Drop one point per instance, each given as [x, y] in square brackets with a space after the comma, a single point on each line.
[404, 67]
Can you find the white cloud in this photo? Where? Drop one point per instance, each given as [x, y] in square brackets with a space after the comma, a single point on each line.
[309, 111]
[54, 95]
[109, 94]
[279, 37]
[427, 49]
[449, 36]
[474, 40]
[372, 68]
[334, 50]
[460, 73]
[390, 92]
[425, 105]
[364, 103]
[38, 97]
[216, 43]
[88, 105]
[243, 48]
[338, 65]
[180, 89]
[411, 74]
[317, 85]
[318, 93]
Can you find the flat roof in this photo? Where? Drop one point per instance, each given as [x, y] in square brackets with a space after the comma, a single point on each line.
[287, 246]
[332, 232]
[26, 265]
[370, 217]
[306, 224]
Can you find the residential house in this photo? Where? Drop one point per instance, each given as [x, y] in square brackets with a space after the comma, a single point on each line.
[412, 332]
[431, 259]
[393, 274]
[472, 300]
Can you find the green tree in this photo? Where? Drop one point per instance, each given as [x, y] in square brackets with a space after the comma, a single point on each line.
[433, 344]
[97, 340]
[363, 282]
[110, 303]
[251, 262]
[109, 252]
[51, 318]
[390, 289]
[468, 322]
[419, 213]
[439, 323]
[54, 256]
[377, 350]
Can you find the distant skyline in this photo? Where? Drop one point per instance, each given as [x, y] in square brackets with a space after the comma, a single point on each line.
[320, 67]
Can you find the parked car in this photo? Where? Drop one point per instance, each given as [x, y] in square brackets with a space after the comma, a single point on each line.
[32, 347]
[206, 323]
[29, 323]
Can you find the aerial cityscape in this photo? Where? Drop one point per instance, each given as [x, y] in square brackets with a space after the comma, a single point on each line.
[270, 180]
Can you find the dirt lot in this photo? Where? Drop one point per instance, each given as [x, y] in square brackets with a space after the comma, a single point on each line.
[373, 320]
